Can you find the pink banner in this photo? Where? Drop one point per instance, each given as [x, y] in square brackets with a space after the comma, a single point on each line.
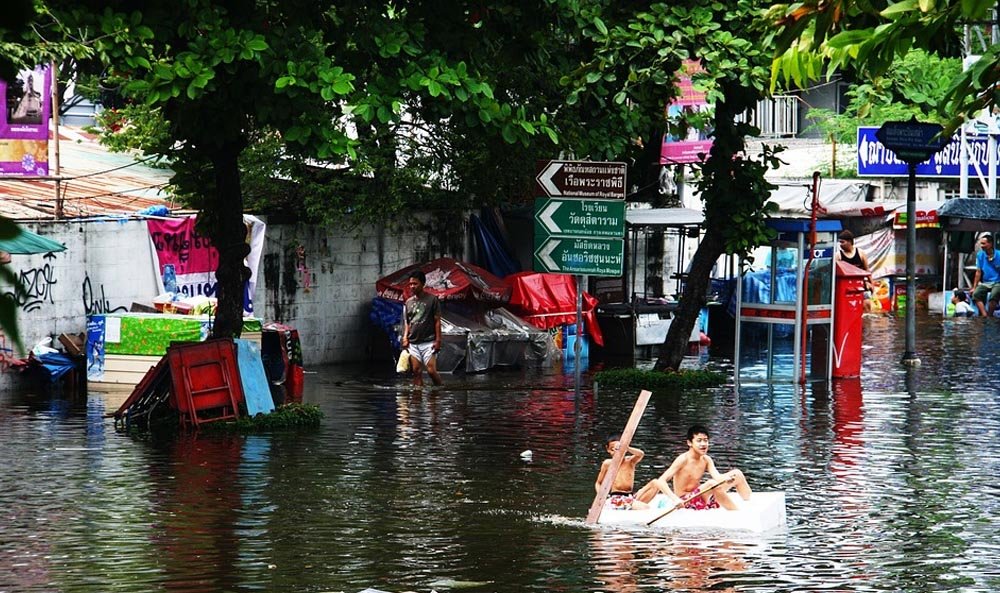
[178, 244]
[187, 261]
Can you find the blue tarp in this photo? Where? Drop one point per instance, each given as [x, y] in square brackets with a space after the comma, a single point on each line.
[56, 364]
[492, 250]
[387, 315]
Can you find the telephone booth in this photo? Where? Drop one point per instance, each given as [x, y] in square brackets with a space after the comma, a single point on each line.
[785, 306]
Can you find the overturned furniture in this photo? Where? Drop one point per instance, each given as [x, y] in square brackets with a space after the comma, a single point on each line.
[198, 383]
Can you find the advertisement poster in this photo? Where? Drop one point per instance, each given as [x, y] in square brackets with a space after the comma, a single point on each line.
[676, 150]
[24, 122]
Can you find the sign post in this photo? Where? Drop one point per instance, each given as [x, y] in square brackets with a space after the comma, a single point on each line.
[913, 142]
[580, 226]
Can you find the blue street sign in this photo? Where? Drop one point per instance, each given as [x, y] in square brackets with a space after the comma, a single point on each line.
[875, 160]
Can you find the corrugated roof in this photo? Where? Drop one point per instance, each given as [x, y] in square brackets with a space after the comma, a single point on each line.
[95, 182]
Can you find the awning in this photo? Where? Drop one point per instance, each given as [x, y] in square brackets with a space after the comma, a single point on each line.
[971, 208]
[26, 242]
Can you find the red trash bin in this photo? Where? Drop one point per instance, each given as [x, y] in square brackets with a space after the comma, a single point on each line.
[849, 306]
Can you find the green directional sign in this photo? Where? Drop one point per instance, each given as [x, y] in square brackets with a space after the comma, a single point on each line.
[579, 255]
[579, 217]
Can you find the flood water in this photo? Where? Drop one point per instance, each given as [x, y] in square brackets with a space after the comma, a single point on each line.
[891, 486]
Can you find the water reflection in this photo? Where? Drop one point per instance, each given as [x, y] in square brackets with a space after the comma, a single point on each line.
[888, 483]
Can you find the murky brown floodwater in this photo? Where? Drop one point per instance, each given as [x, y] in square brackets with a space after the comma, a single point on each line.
[890, 481]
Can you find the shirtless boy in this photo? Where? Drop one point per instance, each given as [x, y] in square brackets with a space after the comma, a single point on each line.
[621, 497]
[687, 471]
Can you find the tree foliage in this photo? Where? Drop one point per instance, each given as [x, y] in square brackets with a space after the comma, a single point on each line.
[913, 86]
[817, 38]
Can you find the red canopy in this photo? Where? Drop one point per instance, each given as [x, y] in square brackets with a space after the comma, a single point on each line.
[548, 300]
[448, 279]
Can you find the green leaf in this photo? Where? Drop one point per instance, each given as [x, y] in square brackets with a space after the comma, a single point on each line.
[342, 87]
[900, 8]
[508, 134]
[599, 24]
[257, 44]
[163, 72]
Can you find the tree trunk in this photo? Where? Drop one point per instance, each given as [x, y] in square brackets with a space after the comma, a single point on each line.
[676, 343]
[229, 236]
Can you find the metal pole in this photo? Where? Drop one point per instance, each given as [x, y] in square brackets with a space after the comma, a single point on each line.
[910, 356]
[577, 347]
[54, 90]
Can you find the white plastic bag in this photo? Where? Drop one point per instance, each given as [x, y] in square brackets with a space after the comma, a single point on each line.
[403, 364]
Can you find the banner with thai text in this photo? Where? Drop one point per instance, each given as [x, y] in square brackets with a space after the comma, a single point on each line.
[24, 122]
[875, 160]
[188, 260]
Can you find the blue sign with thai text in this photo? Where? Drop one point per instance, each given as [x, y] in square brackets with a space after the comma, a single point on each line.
[875, 160]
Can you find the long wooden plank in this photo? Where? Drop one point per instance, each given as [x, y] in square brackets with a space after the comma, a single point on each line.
[616, 461]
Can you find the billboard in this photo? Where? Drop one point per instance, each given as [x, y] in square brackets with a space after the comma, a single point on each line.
[24, 122]
[875, 160]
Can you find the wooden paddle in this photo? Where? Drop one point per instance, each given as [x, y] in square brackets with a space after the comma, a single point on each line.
[701, 490]
[616, 460]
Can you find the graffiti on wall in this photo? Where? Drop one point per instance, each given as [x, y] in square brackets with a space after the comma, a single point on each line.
[37, 284]
[97, 304]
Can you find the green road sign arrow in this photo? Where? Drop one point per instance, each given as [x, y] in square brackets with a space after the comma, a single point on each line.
[580, 217]
[581, 255]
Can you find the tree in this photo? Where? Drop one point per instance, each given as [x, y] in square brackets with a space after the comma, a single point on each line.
[914, 86]
[637, 56]
[817, 38]
[330, 83]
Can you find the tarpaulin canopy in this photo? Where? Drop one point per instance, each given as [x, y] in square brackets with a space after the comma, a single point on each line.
[449, 280]
[548, 300]
[26, 243]
[971, 208]
[793, 198]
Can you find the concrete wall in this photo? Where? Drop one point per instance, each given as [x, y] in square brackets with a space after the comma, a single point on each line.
[318, 280]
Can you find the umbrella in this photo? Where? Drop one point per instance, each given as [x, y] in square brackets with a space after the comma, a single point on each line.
[25, 243]
[449, 280]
